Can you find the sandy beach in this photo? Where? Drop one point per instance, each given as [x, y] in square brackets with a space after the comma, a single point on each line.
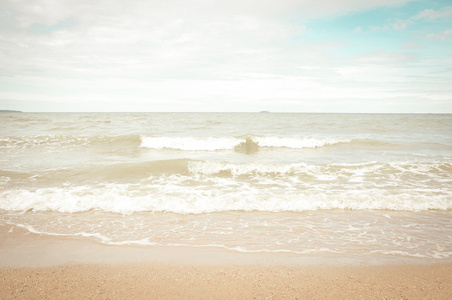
[43, 267]
[153, 281]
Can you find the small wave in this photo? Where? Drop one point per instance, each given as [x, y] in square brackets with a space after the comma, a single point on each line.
[127, 171]
[138, 171]
[296, 143]
[58, 141]
[370, 172]
[121, 172]
[216, 167]
[427, 169]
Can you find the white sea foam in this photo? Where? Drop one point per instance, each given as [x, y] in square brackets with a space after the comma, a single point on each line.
[296, 143]
[356, 233]
[216, 167]
[226, 143]
[210, 186]
[179, 195]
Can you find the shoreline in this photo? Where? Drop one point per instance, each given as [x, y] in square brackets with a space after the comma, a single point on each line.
[21, 248]
[46, 267]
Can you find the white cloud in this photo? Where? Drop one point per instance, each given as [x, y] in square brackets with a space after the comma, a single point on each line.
[379, 28]
[430, 14]
[440, 36]
[400, 25]
[384, 57]
[210, 55]
[425, 15]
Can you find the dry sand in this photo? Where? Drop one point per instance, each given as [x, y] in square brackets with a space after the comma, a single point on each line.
[37, 267]
[220, 282]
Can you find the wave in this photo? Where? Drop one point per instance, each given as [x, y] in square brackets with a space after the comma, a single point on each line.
[245, 144]
[251, 143]
[193, 186]
[176, 143]
[237, 143]
[185, 199]
[138, 171]
[58, 141]
[121, 172]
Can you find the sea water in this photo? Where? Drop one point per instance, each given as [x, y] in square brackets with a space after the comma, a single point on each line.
[354, 185]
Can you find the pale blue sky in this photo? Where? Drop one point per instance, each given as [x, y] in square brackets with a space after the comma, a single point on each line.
[289, 56]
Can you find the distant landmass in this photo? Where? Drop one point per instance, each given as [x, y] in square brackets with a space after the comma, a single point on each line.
[6, 110]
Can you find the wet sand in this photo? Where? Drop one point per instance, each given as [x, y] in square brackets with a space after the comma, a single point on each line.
[42, 267]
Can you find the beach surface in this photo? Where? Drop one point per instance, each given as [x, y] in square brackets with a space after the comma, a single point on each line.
[44, 267]
[155, 281]
[225, 206]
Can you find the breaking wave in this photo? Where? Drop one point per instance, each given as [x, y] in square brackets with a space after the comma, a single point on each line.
[228, 143]
[246, 144]
[191, 186]
[185, 199]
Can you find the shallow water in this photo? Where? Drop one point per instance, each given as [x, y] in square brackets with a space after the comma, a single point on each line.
[308, 184]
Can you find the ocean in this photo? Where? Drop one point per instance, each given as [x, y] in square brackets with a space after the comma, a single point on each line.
[364, 186]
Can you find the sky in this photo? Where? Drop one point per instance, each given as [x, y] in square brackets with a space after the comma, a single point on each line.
[382, 56]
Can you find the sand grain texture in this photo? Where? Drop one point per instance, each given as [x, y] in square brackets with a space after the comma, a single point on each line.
[219, 282]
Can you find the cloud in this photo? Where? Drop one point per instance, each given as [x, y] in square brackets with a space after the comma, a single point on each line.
[210, 55]
[430, 14]
[427, 15]
[440, 36]
[104, 38]
[400, 25]
[379, 28]
[384, 57]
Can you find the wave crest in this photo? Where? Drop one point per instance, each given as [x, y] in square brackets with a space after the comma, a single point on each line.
[245, 144]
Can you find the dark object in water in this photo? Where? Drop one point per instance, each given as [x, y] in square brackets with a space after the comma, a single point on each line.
[248, 147]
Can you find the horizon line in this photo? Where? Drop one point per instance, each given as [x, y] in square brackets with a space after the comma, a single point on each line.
[232, 112]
